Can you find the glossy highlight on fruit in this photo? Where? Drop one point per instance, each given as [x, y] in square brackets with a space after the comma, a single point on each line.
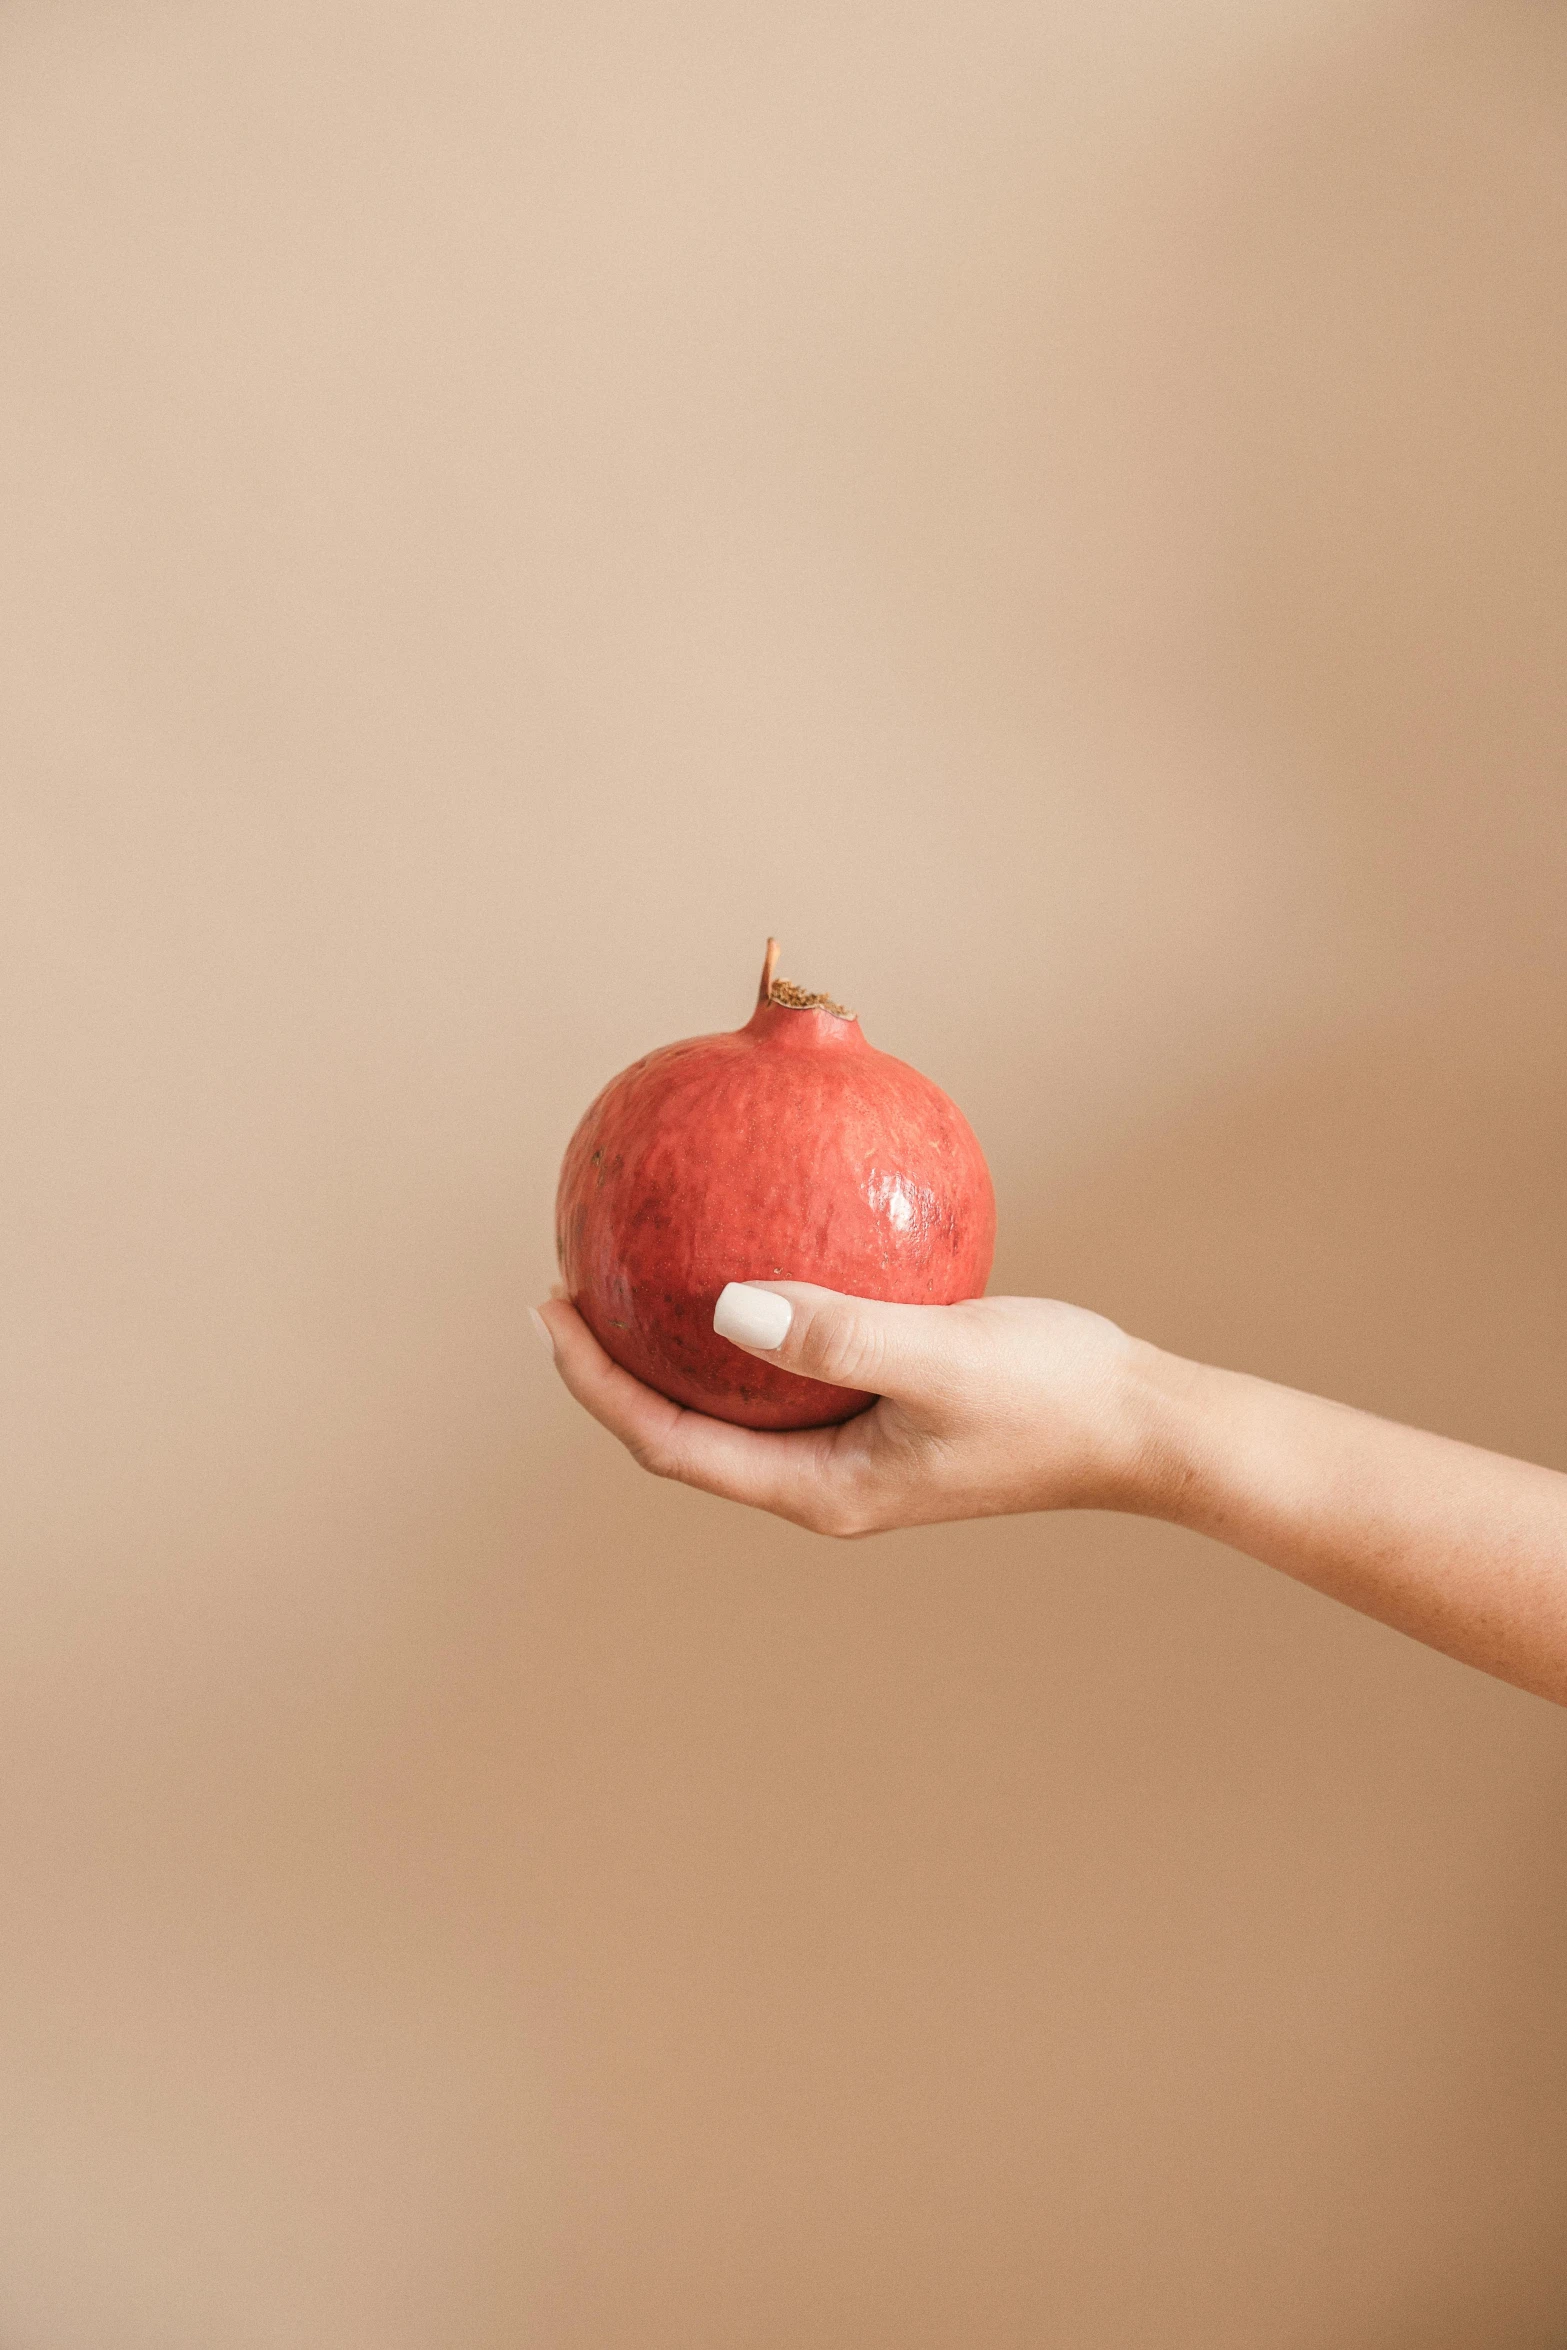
[790, 1149]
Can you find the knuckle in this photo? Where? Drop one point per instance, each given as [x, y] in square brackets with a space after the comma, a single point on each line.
[846, 1517]
[850, 1351]
[654, 1454]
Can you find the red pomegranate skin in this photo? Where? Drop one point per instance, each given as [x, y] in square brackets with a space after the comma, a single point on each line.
[790, 1150]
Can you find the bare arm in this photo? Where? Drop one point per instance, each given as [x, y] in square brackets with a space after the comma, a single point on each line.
[1010, 1404]
[1464, 1549]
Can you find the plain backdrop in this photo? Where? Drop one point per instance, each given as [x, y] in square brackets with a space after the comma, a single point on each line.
[1060, 512]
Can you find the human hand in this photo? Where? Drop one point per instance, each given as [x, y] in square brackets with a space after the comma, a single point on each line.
[1019, 1403]
[999, 1405]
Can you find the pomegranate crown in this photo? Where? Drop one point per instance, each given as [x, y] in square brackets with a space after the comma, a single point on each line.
[794, 999]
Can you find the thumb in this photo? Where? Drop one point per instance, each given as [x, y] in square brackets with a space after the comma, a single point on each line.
[821, 1334]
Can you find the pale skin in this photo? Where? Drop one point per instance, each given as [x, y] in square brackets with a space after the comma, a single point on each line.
[1012, 1404]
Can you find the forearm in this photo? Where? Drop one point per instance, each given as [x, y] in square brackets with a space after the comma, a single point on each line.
[1463, 1549]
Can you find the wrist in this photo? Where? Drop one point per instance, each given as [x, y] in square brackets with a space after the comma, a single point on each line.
[1156, 1468]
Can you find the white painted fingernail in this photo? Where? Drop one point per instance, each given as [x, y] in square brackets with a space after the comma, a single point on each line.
[543, 1329]
[752, 1317]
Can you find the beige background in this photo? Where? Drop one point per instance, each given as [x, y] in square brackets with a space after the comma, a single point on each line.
[1061, 512]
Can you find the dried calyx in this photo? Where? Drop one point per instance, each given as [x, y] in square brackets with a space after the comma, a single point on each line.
[794, 999]
[784, 991]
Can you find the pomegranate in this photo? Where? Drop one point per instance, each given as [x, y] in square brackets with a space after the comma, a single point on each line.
[789, 1150]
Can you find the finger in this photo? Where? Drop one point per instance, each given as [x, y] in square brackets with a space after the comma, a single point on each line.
[791, 1474]
[901, 1351]
[642, 1419]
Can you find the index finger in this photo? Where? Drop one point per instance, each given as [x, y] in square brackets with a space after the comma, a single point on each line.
[788, 1473]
